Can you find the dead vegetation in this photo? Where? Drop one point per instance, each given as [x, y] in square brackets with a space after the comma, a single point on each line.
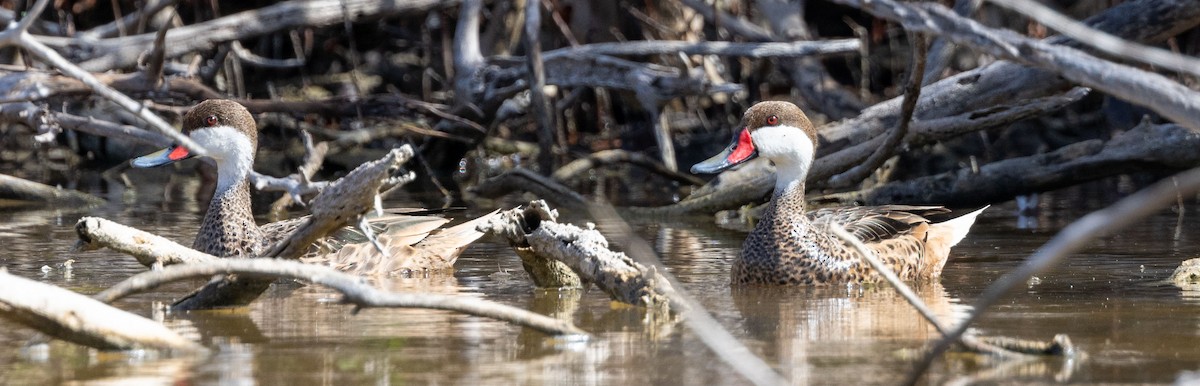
[571, 101]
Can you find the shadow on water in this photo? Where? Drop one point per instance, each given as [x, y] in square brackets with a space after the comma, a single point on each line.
[1110, 300]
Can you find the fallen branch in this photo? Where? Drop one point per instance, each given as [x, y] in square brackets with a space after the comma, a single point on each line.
[891, 142]
[1100, 40]
[577, 167]
[17, 35]
[645, 282]
[1147, 147]
[13, 188]
[747, 50]
[1156, 92]
[586, 252]
[116, 53]
[75, 318]
[354, 290]
[545, 271]
[148, 249]
[817, 89]
[1147, 21]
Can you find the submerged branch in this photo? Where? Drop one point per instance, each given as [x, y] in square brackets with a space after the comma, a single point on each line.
[354, 290]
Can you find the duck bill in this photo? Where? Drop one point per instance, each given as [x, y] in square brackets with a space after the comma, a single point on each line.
[162, 157]
[741, 150]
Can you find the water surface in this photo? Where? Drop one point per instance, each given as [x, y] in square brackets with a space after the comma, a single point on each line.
[1109, 300]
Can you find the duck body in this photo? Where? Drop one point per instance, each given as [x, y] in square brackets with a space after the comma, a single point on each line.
[793, 246]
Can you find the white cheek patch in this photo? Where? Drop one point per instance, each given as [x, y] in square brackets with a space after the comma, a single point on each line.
[790, 149]
[231, 149]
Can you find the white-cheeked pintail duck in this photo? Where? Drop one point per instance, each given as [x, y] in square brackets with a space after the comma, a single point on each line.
[790, 245]
[228, 229]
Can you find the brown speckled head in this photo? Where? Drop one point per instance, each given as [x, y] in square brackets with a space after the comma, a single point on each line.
[778, 113]
[749, 143]
[221, 112]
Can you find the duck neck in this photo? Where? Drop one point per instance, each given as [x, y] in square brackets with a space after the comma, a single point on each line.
[789, 183]
[228, 227]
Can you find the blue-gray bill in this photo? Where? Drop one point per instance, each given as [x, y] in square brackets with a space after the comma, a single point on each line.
[161, 157]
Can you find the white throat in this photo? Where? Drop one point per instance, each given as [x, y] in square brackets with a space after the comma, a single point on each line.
[790, 149]
[231, 149]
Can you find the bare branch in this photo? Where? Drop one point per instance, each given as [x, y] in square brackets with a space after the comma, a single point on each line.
[149, 249]
[1101, 40]
[354, 290]
[1169, 98]
[891, 143]
[748, 50]
[75, 318]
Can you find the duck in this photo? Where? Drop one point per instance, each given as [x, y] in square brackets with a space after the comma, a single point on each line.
[229, 132]
[793, 246]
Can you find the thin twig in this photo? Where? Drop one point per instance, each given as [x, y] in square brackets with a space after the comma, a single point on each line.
[891, 145]
[1074, 237]
[889, 276]
[699, 320]
[353, 288]
[748, 50]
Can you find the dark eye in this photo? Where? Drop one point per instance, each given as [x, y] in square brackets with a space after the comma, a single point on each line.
[773, 120]
[210, 120]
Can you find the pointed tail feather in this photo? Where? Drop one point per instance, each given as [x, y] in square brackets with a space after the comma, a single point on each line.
[944, 235]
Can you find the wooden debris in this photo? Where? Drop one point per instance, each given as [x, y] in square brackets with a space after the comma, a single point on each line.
[149, 249]
[75, 318]
[586, 252]
[353, 288]
[13, 188]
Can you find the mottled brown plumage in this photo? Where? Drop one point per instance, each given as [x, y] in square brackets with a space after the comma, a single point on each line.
[228, 229]
[791, 245]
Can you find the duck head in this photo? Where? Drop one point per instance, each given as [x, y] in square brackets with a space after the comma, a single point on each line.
[776, 130]
[226, 129]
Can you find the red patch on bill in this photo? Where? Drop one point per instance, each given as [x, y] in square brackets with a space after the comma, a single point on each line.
[744, 149]
[178, 153]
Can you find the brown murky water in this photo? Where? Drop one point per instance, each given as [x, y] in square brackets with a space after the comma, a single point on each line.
[1132, 327]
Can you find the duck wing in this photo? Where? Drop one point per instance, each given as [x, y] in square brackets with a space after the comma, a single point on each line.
[876, 223]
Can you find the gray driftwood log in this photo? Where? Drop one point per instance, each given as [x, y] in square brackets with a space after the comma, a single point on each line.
[76, 318]
[586, 252]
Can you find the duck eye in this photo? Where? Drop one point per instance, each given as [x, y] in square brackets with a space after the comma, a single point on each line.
[210, 120]
[773, 120]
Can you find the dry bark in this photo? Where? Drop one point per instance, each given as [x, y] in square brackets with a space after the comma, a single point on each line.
[75, 318]
[1145, 148]
[149, 249]
[586, 252]
[1146, 21]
